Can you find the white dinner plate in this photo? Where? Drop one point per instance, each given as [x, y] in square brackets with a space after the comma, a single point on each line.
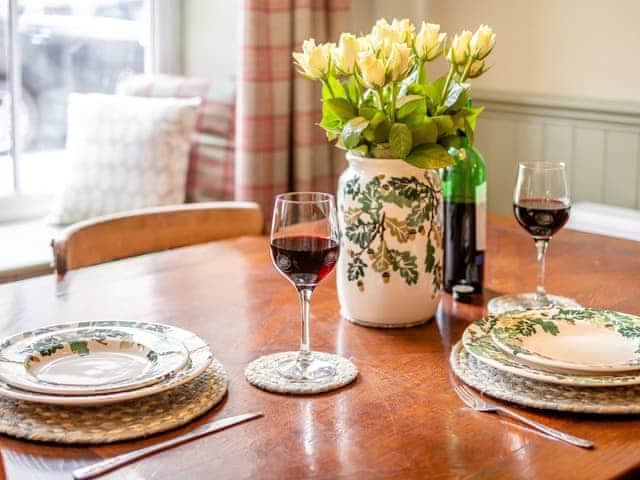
[477, 341]
[200, 356]
[80, 360]
[586, 340]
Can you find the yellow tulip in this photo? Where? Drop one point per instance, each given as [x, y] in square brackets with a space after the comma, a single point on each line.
[315, 60]
[429, 41]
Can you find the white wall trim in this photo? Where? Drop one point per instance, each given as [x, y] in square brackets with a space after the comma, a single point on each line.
[166, 36]
[605, 111]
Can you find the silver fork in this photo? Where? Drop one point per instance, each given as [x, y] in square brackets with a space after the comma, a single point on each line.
[476, 403]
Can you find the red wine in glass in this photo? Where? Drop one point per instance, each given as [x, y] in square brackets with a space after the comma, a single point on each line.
[304, 259]
[541, 217]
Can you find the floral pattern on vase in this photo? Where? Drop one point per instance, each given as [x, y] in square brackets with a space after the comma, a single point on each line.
[390, 270]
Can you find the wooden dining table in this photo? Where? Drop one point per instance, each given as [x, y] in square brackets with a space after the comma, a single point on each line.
[401, 417]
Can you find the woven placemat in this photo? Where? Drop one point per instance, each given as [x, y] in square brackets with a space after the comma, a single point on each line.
[263, 373]
[532, 393]
[118, 421]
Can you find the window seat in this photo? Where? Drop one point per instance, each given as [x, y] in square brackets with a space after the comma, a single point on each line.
[25, 249]
[607, 220]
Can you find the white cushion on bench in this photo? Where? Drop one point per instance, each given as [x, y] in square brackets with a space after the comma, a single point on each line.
[605, 220]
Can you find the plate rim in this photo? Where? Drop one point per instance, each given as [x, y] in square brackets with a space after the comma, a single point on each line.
[200, 357]
[25, 383]
[528, 371]
[460, 368]
[550, 363]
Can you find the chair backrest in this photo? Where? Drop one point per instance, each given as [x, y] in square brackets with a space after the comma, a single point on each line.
[148, 230]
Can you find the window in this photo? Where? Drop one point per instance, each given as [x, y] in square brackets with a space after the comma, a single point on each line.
[48, 49]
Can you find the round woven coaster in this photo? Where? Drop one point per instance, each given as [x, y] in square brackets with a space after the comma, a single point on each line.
[532, 393]
[263, 373]
[119, 421]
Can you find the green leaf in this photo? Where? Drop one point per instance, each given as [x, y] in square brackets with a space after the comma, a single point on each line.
[406, 264]
[336, 88]
[425, 132]
[351, 215]
[434, 90]
[378, 129]
[381, 260]
[468, 131]
[381, 150]
[450, 141]
[444, 123]
[409, 105]
[430, 259]
[80, 347]
[397, 228]
[400, 140]
[352, 131]
[341, 108]
[371, 200]
[352, 187]
[355, 269]
[368, 112]
[360, 232]
[360, 150]
[430, 155]
[472, 115]
[330, 122]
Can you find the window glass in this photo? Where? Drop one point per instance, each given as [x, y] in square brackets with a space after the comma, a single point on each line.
[69, 46]
[6, 163]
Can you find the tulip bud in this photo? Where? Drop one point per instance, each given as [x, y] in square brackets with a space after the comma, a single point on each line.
[399, 61]
[404, 31]
[476, 69]
[372, 68]
[482, 42]
[345, 54]
[315, 60]
[459, 50]
[429, 41]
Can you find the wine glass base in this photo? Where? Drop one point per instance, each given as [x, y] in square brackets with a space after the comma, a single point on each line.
[314, 370]
[527, 301]
[264, 373]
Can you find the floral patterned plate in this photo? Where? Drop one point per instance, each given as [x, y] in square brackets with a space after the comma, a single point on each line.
[199, 358]
[478, 343]
[89, 360]
[586, 340]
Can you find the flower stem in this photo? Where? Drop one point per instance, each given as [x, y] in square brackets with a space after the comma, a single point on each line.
[326, 82]
[393, 102]
[452, 69]
[422, 74]
[467, 67]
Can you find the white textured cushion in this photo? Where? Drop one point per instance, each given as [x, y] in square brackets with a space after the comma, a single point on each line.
[125, 153]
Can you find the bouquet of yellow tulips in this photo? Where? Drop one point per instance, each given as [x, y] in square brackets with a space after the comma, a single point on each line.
[378, 100]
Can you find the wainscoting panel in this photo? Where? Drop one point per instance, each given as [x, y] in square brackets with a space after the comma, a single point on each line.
[599, 141]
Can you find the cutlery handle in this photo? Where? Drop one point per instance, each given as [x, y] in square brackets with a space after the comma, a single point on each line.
[109, 464]
[552, 432]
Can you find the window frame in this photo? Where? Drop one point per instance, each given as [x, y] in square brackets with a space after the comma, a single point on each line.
[165, 47]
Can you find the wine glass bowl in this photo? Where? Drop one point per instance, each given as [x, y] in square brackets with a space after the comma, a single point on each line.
[305, 244]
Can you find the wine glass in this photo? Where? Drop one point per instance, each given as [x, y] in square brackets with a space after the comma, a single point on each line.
[541, 206]
[305, 242]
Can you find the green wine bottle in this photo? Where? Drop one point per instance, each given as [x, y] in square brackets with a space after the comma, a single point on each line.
[464, 191]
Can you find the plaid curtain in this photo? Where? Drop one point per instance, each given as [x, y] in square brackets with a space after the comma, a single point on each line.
[279, 147]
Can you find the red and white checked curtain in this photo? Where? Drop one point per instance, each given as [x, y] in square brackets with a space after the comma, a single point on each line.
[279, 147]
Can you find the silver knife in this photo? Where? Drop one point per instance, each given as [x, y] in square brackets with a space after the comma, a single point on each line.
[105, 466]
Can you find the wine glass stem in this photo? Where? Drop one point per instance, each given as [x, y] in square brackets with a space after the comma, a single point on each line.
[304, 356]
[541, 247]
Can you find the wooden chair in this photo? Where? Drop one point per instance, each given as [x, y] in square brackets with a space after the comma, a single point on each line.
[148, 230]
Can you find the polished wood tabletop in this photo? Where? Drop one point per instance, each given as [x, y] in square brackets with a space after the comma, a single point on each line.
[399, 419]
